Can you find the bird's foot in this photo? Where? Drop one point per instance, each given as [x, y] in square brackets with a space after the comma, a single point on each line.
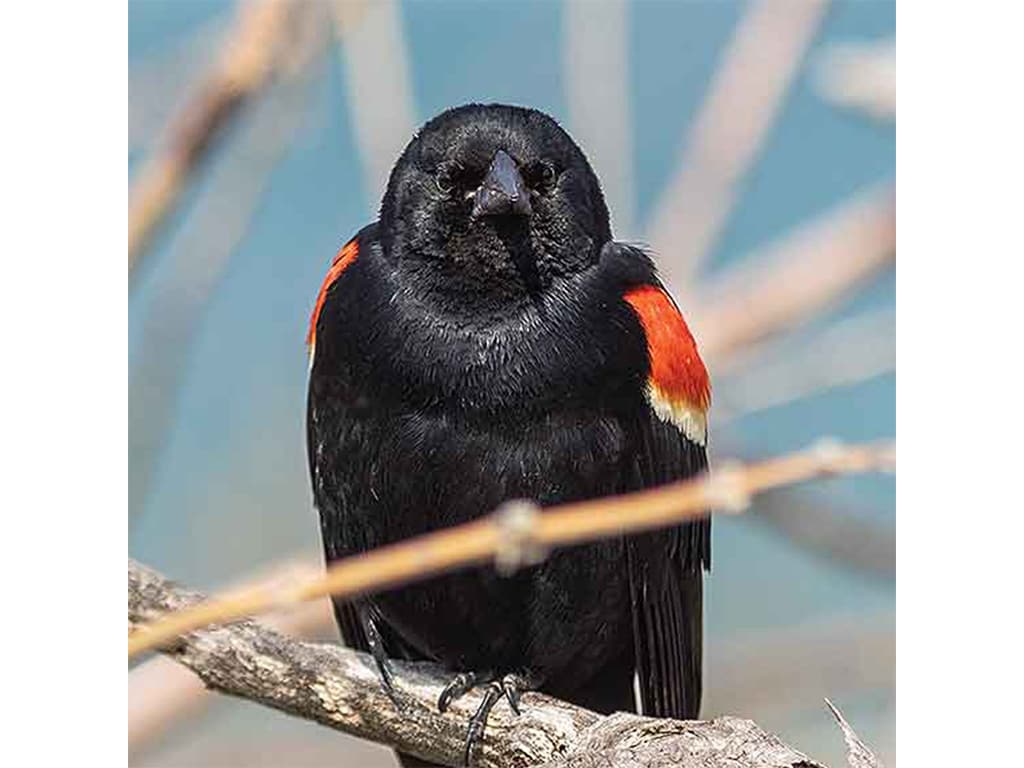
[511, 687]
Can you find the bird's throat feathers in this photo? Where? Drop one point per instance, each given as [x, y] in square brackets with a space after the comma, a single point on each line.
[677, 386]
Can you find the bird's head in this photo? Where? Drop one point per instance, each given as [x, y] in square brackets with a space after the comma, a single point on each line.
[490, 203]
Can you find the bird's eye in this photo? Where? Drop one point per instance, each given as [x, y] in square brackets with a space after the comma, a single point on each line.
[446, 176]
[542, 175]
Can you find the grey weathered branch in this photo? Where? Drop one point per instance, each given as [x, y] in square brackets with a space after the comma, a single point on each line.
[339, 688]
[162, 692]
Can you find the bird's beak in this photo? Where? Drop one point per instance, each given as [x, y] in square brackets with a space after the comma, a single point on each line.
[503, 191]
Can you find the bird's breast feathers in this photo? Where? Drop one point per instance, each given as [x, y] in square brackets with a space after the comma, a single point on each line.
[677, 385]
[678, 388]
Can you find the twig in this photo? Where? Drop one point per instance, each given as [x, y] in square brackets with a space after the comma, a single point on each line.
[743, 100]
[729, 488]
[859, 754]
[340, 688]
[773, 290]
[245, 66]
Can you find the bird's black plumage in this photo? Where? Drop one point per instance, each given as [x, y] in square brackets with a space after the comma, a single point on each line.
[478, 348]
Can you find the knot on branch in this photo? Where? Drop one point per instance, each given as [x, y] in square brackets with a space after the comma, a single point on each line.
[517, 541]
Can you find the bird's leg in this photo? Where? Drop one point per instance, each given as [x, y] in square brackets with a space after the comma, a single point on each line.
[478, 722]
[510, 687]
[380, 655]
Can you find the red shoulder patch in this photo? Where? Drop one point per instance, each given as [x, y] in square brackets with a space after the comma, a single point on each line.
[679, 388]
[345, 257]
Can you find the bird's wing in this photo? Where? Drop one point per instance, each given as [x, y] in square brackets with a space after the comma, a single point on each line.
[345, 612]
[666, 567]
[321, 400]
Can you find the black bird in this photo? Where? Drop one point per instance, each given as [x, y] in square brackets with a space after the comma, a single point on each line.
[487, 340]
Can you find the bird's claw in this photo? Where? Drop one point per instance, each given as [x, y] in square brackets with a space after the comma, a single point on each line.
[460, 685]
[513, 686]
[379, 653]
[510, 687]
[387, 677]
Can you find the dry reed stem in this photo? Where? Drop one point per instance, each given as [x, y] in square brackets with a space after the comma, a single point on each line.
[777, 373]
[378, 82]
[743, 100]
[799, 276]
[159, 81]
[728, 488]
[204, 245]
[243, 68]
[861, 76]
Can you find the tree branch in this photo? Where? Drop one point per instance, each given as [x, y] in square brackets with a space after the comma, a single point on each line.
[161, 692]
[340, 688]
[516, 534]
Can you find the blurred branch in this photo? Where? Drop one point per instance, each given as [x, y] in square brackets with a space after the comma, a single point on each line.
[380, 101]
[340, 688]
[161, 692]
[793, 279]
[517, 534]
[772, 374]
[596, 67]
[743, 100]
[861, 76]
[775, 673]
[840, 535]
[203, 250]
[158, 81]
[253, 50]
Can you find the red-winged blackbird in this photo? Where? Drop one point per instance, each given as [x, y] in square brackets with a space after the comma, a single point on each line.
[487, 340]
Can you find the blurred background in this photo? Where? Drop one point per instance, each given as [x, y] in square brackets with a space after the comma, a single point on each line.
[751, 145]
